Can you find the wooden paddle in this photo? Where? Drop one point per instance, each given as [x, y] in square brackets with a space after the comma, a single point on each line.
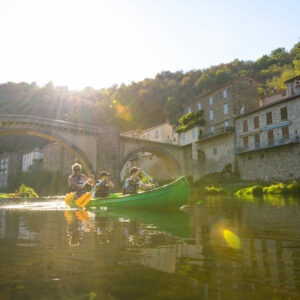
[70, 197]
[83, 200]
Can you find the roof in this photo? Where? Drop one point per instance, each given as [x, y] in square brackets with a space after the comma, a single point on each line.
[267, 106]
[292, 79]
[219, 88]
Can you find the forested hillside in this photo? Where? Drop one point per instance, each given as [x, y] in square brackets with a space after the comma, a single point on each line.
[139, 104]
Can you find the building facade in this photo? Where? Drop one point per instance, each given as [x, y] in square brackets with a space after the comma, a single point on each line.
[28, 158]
[267, 139]
[10, 163]
[213, 144]
[161, 133]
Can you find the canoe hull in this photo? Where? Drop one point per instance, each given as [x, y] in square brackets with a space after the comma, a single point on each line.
[172, 195]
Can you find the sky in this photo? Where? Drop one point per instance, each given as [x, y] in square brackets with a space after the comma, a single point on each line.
[100, 43]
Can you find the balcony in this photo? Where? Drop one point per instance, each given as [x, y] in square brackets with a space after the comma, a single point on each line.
[268, 144]
[218, 131]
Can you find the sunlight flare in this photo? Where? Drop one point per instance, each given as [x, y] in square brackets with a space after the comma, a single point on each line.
[232, 239]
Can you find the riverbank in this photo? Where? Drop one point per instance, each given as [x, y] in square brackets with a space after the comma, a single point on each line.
[231, 185]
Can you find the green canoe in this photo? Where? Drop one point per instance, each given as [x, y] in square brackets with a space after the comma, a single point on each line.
[172, 195]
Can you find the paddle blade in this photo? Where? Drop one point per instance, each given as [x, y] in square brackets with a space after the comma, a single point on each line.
[70, 197]
[84, 199]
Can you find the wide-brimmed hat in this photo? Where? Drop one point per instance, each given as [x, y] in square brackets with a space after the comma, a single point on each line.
[104, 173]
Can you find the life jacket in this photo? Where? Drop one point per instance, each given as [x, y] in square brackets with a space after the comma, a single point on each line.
[102, 189]
[130, 186]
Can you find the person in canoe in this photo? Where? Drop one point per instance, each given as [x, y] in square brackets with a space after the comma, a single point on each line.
[132, 182]
[103, 185]
[77, 181]
[137, 180]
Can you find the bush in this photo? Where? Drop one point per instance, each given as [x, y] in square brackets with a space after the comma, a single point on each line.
[277, 188]
[212, 190]
[255, 190]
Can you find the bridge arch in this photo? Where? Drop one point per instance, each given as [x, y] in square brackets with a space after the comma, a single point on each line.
[71, 147]
[156, 150]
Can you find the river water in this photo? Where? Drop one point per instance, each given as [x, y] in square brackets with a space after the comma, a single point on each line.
[216, 248]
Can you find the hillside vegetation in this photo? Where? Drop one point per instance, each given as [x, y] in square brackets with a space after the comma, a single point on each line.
[140, 104]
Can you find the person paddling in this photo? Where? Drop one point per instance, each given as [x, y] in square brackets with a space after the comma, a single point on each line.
[103, 185]
[77, 181]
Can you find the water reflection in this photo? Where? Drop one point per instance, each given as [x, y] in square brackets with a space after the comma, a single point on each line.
[223, 248]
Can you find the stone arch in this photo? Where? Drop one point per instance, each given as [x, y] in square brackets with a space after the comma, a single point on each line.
[159, 151]
[72, 148]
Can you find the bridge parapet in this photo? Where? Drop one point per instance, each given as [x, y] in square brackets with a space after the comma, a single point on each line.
[13, 121]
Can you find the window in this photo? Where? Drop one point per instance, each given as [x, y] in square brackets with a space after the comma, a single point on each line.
[215, 151]
[224, 93]
[212, 130]
[257, 140]
[245, 126]
[269, 117]
[256, 122]
[193, 133]
[226, 123]
[211, 100]
[200, 133]
[211, 114]
[225, 109]
[284, 113]
[189, 110]
[285, 132]
[245, 142]
[183, 137]
[270, 137]
[199, 106]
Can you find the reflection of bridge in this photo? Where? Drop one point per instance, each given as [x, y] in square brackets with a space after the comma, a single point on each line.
[96, 148]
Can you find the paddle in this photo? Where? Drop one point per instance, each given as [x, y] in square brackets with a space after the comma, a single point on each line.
[83, 200]
[70, 197]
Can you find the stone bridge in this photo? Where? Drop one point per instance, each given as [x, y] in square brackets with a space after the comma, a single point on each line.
[96, 148]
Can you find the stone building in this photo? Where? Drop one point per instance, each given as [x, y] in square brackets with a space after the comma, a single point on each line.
[10, 163]
[30, 157]
[164, 132]
[267, 139]
[213, 144]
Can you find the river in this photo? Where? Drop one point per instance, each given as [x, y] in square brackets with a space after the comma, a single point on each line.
[216, 248]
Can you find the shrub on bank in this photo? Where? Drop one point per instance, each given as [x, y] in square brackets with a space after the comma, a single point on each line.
[213, 190]
[255, 190]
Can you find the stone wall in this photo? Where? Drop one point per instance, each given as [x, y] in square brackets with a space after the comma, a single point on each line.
[279, 163]
[212, 155]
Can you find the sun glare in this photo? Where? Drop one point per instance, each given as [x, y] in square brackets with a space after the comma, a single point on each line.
[72, 43]
[232, 239]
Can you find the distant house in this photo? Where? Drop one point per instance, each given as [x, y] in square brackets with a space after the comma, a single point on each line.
[164, 132]
[28, 158]
[10, 163]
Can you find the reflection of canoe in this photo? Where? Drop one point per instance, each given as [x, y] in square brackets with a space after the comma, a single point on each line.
[171, 195]
[175, 222]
